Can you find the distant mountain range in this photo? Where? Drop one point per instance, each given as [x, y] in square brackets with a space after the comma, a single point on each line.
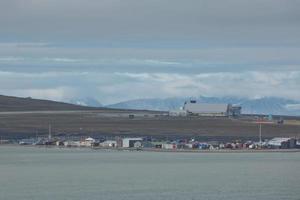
[267, 105]
[88, 101]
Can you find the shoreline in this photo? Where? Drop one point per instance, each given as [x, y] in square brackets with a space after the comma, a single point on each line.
[166, 150]
[225, 150]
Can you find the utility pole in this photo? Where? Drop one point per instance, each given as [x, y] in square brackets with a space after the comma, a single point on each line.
[49, 134]
[260, 142]
[261, 121]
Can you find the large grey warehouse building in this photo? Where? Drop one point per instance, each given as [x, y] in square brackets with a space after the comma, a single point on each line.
[209, 109]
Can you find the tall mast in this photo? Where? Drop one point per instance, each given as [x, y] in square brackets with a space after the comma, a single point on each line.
[49, 134]
[260, 142]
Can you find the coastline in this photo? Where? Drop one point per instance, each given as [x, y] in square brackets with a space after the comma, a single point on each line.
[225, 150]
[166, 150]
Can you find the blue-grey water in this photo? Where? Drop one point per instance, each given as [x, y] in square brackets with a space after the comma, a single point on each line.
[31, 173]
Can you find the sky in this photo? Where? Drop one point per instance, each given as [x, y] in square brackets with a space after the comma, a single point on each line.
[117, 50]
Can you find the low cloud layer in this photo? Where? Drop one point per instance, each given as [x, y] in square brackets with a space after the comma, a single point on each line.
[114, 87]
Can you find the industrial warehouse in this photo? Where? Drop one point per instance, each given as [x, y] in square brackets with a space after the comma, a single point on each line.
[192, 107]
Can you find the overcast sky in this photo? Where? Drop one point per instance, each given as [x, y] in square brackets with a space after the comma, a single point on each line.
[115, 50]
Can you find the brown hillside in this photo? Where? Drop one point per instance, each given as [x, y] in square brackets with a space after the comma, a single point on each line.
[8, 103]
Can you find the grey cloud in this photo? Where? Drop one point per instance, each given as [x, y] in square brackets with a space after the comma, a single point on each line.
[279, 84]
[207, 21]
[60, 49]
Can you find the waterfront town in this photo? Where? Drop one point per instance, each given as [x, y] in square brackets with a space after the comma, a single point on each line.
[183, 143]
[140, 143]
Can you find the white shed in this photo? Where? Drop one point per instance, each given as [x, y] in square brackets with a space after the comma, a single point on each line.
[129, 142]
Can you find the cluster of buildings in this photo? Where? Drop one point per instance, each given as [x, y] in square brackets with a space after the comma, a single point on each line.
[192, 107]
[275, 143]
[139, 143]
[85, 142]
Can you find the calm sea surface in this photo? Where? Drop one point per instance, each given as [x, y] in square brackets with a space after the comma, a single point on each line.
[77, 174]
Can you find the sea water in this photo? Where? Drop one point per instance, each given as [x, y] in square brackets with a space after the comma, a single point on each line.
[32, 173]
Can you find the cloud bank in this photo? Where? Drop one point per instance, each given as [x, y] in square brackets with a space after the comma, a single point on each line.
[119, 86]
[115, 50]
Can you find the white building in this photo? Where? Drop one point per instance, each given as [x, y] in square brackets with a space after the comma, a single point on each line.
[130, 142]
[177, 113]
[71, 143]
[169, 146]
[282, 143]
[109, 143]
[207, 109]
[88, 142]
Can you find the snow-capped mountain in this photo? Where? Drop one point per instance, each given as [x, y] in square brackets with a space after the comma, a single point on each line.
[266, 105]
[88, 101]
